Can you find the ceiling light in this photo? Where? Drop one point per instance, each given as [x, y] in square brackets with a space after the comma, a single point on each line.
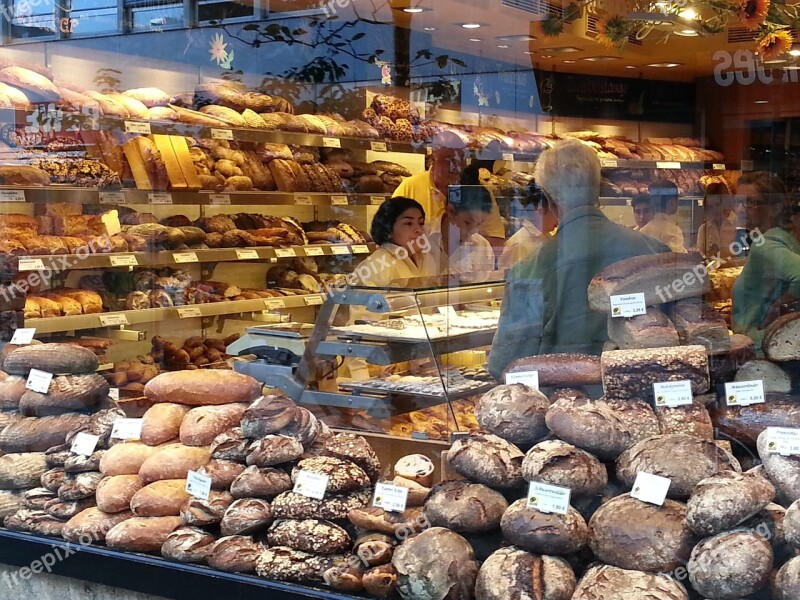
[528, 52]
[475, 40]
[664, 65]
[561, 50]
[631, 67]
[430, 29]
[569, 62]
[600, 58]
[502, 45]
[761, 102]
[413, 10]
[777, 61]
[687, 33]
[471, 25]
[515, 38]
[544, 55]
[794, 52]
[688, 13]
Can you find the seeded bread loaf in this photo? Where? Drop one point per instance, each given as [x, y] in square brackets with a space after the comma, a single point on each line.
[289, 505]
[309, 535]
[343, 475]
[691, 419]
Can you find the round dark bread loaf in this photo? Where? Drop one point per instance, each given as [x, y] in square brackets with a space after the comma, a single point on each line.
[234, 554]
[603, 582]
[437, 564]
[725, 500]
[544, 533]
[309, 535]
[514, 573]
[202, 513]
[268, 414]
[769, 524]
[66, 393]
[631, 534]
[267, 483]
[231, 445]
[783, 471]
[374, 548]
[562, 464]
[745, 423]
[730, 565]
[464, 507]
[786, 584]
[602, 427]
[246, 516]
[188, 545]
[791, 524]
[487, 459]
[684, 459]
[273, 450]
[514, 412]
[304, 427]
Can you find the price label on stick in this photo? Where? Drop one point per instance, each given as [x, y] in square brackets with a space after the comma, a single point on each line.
[783, 440]
[311, 485]
[744, 393]
[650, 488]
[198, 485]
[23, 336]
[673, 393]
[548, 498]
[529, 378]
[127, 429]
[391, 498]
[628, 305]
[39, 381]
[84, 443]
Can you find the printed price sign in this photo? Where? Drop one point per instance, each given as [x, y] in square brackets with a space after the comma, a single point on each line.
[23, 335]
[127, 429]
[39, 381]
[302, 200]
[329, 142]
[137, 127]
[247, 254]
[339, 200]
[668, 165]
[12, 195]
[84, 443]
[123, 260]
[314, 300]
[391, 498]
[548, 498]
[376, 200]
[113, 393]
[31, 264]
[650, 488]
[188, 312]
[184, 257]
[608, 162]
[673, 393]
[508, 157]
[783, 440]
[221, 134]
[275, 303]
[311, 485]
[378, 146]
[360, 249]
[112, 198]
[313, 251]
[107, 320]
[744, 393]
[529, 378]
[285, 252]
[198, 485]
[718, 166]
[628, 305]
[219, 199]
[339, 250]
[159, 198]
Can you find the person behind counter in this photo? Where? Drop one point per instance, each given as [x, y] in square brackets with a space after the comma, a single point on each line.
[771, 275]
[718, 232]
[545, 305]
[429, 188]
[535, 220]
[642, 210]
[663, 226]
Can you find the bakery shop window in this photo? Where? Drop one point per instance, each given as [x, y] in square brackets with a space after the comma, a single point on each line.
[216, 10]
[29, 18]
[89, 17]
[149, 15]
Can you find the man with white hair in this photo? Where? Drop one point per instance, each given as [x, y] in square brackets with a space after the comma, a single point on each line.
[545, 306]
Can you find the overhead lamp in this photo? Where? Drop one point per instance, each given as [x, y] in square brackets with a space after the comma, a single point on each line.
[471, 25]
[631, 67]
[761, 102]
[569, 62]
[412, 10]
[600, 58]
[687, 33]
[502, 46]
[430, 28]
[545, 55]
[664, 65]
[688, 13]
[795, 51]
[475, 40]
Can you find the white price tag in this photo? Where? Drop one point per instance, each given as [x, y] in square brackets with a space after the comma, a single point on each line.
[673, 393]
[84, 443]
[123, 260]
[247, 254]
[329, 142]
[23, 336]
[302, 200]
[137, 127]
[219, 199]
[159, 198]
[378, 146]
[275, 303]
[744, 393]
[718, 166]
[668, 165]
[12, 195]
[783, 440]
[107, 320]
[629, 201]
[184, 257]
[339, 250]
[311, 485]
[314, 300]
[39, 381]
[198, 485]
[31, 264]
[529, 378]
[548, 498]
[628, 305]
[608, 163]
[339, 200]
[391, 498]
[127, 429]
[376, 200]
[508, 156]
[285, 252]
[650, 488]
[113, 393]
[189, 312]
[360, 249]
[313, 251]
[221, 134]
[112, 198]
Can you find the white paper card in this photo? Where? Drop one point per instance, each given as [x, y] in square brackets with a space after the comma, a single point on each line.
[508, 156]
[328, 142]
[84, 443]
[198, 485]
[376, 200]
[39, 381]
[391, 498]
[302, 199]
[23, 336]
[668, 165]
[247, 254]
[313, 251]
[184, 257]
[783, 440]
[378, 146]
[275, 303]
[650, 488]
[529, 378]
[628, 305]
[109, 320]
[112, 198]
[12, 195]
[221, 134]
[673, 393]
[124, 260]
[127, 429]
[311, 485]
[718, 166]
[360, 249]
[160, 198]
[608, 162]
[339, 250]
[136, 127]
[219, 199]
[113, 393]
[31, 264]
[744, 393]
[548, 498]
[339, 200]
[285, 252]
[189, 312]
[314, 300]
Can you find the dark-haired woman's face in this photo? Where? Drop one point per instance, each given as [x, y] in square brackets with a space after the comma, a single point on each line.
[409, 226]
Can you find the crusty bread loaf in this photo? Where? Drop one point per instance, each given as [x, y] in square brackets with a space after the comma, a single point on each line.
[487, 459]
[780, 342]
[202, 424]
[66, 393]
[222, 473]
[775, 378]
[544, 533]
[92, 524]
[22, 471]
[188, 544]
[514, 412]
[125, 459]
[53, 358]
[114, 493]
[37, 87]
[464, 507]
[733, 564]
[160, 499]
[558, 463]
[786, 585]
[698, 323]
[255, 482]
[142, 534]
[12, 388]
[560, 370]
[725, 500]
[651, 330]
[173, 461]
[162, 423]
[691, 419]
[203, 387]
[514, 573]
[31, 434]
[604, 582]
[783, 471]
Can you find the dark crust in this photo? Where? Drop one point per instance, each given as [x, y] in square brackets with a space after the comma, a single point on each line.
[561, 369]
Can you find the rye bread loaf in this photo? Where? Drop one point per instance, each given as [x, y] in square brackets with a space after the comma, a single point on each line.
[231, 445]
[649, 275]
[114, 493]
[203, 424]
[775, 378]
[222, 473]
[34, 499]
[604, 582]
[544, 533]
[630, 374]
[201, 512]
[173, 461]
[437, 564]
[142, 534]
[22, 471]
[514, 573]
[650, 330]
[769, 524]
[202, 387]
[309, 535]
[255, 482]
[698, 323]
[343, 475]
[416, 492]
[12, 389]
[53, 479]
[782, 471]
[13, 500]
[234, 554]
[162, 423]
[464, 507]
[745, 423]
[160, 499]
[126, 458]
[79, 463]
[64, 511]
[558, 463]
[725, 500]
[631, 534]
[34, 521]
[333, 507]
[268, 414]
[791, 524]
[80, 486]
[733, 564]
[246, 516]
[32, 434]
[487, 459]
[52, 358]
[602, 427]
[560, 370]
[514, 412]
[92, 524]
[188, 545]
[374, 548]
[273, 450]
[684, 459]
[786, 583]
[780, 342]
[723, 366]
[355, 449]
[691, 419]
[305, 427]
[66, 393]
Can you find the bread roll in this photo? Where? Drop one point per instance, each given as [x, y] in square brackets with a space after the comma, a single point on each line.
[162, 423]
[160, 499]
[203, 424]
[126, 458]
[142, 534]
[173, 462]
[200, 388]
[114, 493]
[514, 573]
[417, 468]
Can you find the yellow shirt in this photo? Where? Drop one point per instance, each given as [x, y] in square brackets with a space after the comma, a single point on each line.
[420, 188]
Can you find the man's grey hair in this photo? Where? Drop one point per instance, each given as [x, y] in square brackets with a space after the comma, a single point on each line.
[570, 173]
